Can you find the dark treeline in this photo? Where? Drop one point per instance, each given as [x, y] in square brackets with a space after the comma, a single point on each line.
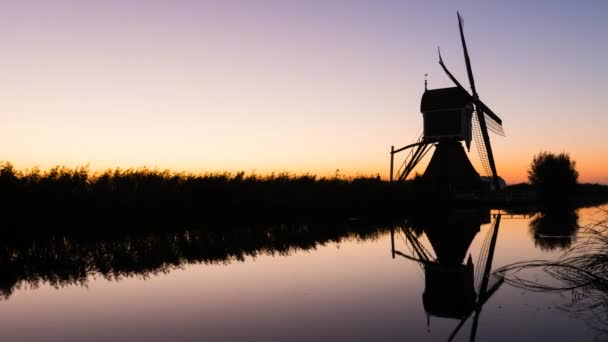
[66, 259]
[525, 194]
[63, 197]
[67, 199]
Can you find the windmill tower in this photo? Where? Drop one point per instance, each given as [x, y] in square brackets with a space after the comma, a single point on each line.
[451, 116]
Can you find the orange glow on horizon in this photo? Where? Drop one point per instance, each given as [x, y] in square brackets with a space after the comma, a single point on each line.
[512, 171]
[205, 87]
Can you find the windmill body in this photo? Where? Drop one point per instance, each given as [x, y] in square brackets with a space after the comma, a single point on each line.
[447, 116]
[452, 116]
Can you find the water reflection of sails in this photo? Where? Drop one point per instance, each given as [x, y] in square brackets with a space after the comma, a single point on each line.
[452, 288]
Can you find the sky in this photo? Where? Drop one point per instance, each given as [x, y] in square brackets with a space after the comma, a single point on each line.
[319, 87]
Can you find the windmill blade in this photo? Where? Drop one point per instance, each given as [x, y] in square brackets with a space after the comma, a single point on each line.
[482, 123]
[494, 126]
[482, 106]
[495, 123]
[488, 111]
[466, 56]
[480, 145]
[450, 74]
[486, 140]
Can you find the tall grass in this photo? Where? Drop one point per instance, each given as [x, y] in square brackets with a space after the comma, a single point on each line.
[145, 198]
[151, 196]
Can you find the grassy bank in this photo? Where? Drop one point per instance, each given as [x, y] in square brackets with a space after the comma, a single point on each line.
[153, 197]
[70, 198]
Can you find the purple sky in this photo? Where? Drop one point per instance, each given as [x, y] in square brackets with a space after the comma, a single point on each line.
[291, 85]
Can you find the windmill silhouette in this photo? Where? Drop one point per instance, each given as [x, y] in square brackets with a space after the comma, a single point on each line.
[452, 115]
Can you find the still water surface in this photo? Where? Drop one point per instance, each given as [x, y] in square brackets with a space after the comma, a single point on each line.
[345, 288]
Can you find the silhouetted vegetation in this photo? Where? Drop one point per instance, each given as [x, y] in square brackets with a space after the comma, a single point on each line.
[591, 193]
[68, 259]
[524, 195]
[554, 176]
[67, 197]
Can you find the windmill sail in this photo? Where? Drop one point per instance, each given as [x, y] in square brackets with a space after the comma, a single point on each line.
[493, 123]
[466, 57]
[480, 145]
[487, 155]
[480, 109]
[494, 126]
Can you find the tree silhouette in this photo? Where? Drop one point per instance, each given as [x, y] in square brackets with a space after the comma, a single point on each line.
[554, 176]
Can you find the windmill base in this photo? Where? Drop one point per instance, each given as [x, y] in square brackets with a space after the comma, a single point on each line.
[450, 170]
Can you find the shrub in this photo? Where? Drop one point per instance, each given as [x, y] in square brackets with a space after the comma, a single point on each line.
[553, 175]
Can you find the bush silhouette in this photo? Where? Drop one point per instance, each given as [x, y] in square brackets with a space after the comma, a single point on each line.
[554, 176]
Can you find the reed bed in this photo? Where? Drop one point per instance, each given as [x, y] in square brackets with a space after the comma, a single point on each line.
[152, 196]
[146, 198]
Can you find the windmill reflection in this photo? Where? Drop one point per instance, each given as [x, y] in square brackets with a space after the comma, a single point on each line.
[453, 287]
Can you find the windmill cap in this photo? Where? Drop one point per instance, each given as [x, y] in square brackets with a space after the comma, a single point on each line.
[444, 98]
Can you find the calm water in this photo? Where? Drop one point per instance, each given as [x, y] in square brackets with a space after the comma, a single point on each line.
[345, 286]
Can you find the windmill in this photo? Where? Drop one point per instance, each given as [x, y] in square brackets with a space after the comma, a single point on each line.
[452, 115]
[453, 289]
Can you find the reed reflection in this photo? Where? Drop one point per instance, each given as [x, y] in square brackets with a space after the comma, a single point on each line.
[62, 260]
[580, 274]
[453, 287]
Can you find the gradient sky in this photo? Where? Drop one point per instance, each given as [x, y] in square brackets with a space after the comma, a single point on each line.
[298, 86]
